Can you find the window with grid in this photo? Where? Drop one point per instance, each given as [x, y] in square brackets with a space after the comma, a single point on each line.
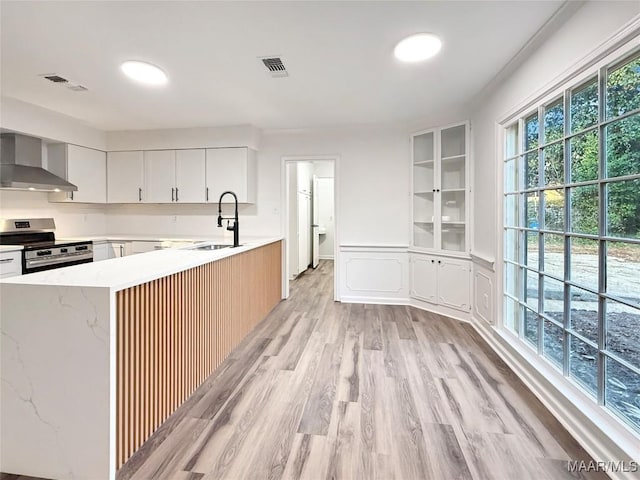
[572, 234]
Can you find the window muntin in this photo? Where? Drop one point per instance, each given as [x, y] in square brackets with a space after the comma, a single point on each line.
[572, 234]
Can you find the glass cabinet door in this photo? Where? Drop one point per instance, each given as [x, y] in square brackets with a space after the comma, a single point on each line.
[424, 190]
[453, 183]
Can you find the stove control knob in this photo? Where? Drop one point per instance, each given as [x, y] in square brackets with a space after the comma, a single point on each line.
[42, 253]
[63, 250]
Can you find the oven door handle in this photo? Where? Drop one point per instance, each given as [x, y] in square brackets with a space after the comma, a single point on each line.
[54, 261]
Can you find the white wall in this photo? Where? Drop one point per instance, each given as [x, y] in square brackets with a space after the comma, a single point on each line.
[71, 219]
[373, 175]
[582, 33]
[30, 119]
[230, 136]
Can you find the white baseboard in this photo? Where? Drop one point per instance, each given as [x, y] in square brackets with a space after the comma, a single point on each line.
[439, 309]
[374, 300]
[326, 257]
[591, 425]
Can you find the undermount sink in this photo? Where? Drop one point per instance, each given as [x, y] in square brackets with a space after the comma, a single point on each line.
[211, 247]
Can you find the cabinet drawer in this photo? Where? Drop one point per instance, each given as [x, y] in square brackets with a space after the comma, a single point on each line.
[10, 264]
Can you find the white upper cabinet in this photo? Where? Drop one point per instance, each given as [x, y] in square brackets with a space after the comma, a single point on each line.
[174, 176]
[440, 169]
[125, 177]
[86, 168]
[190, 176]
[160, 176]
[232, 169]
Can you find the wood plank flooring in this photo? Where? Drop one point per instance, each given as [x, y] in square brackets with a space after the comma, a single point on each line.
[324, 390]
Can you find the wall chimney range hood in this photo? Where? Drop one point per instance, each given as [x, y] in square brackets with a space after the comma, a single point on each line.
[21, 166]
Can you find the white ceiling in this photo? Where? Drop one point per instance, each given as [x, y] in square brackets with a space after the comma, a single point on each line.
[339, 55]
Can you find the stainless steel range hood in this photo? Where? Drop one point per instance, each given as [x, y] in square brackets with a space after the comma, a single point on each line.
[21, 166]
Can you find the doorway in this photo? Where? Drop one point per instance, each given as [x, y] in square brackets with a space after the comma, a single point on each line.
[310, 207]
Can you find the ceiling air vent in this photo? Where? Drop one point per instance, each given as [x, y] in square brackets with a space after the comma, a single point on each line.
[58, 80]
[55, 78]
[77, 88]
[275, 66]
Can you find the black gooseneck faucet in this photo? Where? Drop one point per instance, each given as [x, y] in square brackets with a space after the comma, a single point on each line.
[234, 227]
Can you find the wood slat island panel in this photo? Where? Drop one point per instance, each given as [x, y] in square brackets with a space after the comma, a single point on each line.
[173, 332]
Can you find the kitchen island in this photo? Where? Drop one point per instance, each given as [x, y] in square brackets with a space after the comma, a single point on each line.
[96, 356]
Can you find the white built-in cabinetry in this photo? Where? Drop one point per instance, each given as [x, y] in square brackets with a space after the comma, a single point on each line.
[10, 264]
[181, 176]
[232, 169]
[441, 189]
[105, 250]
[86, 168]
[440, 268]
[441, 280]
[191, 176]
[125, 177]
[174, 176]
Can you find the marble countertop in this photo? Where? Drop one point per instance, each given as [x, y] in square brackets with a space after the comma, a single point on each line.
[123, 272]
[10, 248]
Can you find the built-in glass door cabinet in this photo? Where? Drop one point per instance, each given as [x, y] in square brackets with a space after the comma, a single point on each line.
[440, 189]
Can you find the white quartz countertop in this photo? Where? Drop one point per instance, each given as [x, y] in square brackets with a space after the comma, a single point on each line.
[127, 237]
[10, 248]
[123, 272]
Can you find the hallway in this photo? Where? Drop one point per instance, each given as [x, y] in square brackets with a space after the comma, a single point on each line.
[346, 391]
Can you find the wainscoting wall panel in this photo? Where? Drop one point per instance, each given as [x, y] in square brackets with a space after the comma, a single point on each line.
[173, 332]
[374, 274]
[484, 293]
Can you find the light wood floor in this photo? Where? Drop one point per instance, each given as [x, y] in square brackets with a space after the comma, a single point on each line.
[345, 391]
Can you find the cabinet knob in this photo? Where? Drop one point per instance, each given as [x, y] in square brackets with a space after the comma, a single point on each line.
[439, 261]
[139, 194]
[432, 261]
[173, 199]
[176, 194]
[207, 194]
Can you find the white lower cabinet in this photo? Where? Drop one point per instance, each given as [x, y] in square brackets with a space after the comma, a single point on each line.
[10, 264]
[441, 280]
[107, 250]
[101, 251]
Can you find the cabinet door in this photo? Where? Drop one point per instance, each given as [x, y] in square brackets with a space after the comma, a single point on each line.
[10, 264]
[227, 169]
[101, 252]
[160, 176]
[424, 189]
[125, 177]
[190, 176]
[87, 169]
[119, 249]
[454, 279]
[424, 283]
[453, 188]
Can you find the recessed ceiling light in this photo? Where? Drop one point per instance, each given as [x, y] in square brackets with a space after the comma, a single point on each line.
[144, 72]
[417, 47]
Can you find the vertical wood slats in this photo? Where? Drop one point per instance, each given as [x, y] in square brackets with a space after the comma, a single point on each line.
[173, 332]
